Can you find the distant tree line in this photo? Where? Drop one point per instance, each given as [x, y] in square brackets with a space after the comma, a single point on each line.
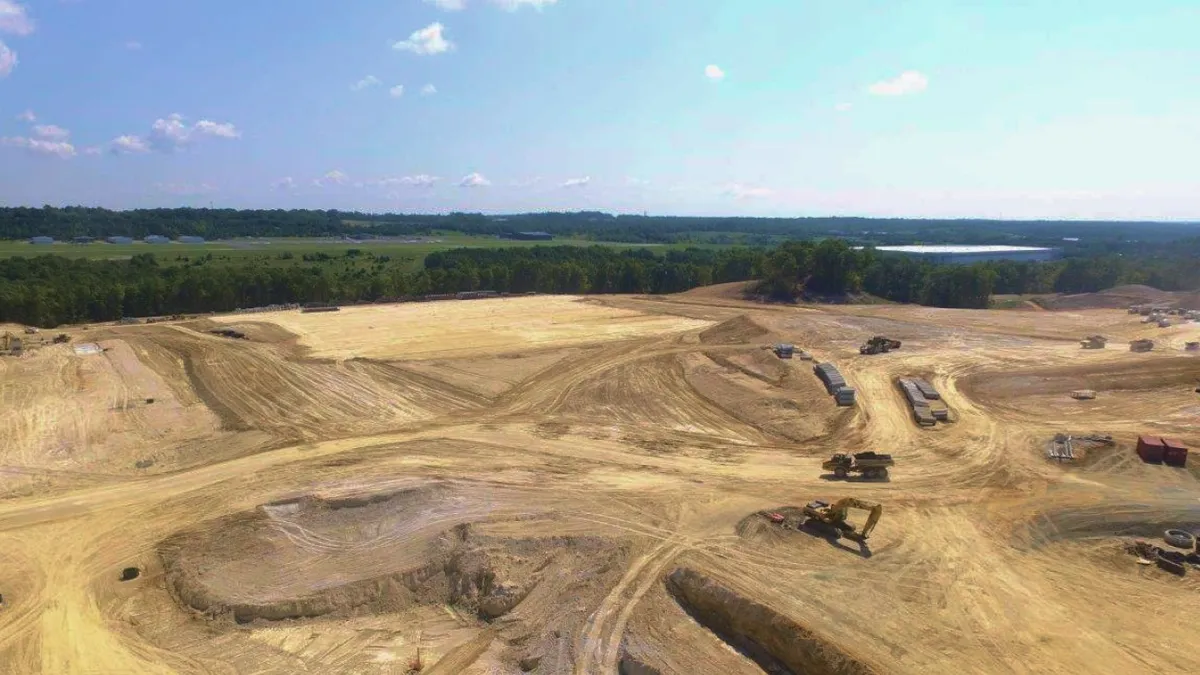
[1094, 238]
[52, 290]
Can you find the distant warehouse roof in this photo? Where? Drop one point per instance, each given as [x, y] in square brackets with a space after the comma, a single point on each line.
[953, 249]
[960, 254]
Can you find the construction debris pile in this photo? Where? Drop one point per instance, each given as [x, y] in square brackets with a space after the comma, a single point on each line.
[927, 406]
[1176, 559]
[229, 333]
[1063, 447]
[835, 383]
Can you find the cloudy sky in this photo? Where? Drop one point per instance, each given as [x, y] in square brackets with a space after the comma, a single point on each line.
[1030, 108]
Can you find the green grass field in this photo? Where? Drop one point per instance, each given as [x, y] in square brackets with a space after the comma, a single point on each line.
[273, 251]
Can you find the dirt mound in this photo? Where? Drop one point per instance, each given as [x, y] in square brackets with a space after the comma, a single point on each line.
[1133, 375]
[365, 554]
[778, 644]
[734, 290]
[740, 330]
[1118, 297]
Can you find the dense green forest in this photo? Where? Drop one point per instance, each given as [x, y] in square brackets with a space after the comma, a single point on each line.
[1093, 237]
[52, 290]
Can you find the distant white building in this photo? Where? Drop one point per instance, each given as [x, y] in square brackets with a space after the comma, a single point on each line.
[187, 239]
[41, 240]
[157, 239]
[119, 240]
[965, 255]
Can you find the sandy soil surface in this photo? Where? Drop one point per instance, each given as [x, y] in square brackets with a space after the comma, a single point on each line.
[565, 485]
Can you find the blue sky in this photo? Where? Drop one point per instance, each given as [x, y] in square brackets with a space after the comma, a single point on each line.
[1013, 109]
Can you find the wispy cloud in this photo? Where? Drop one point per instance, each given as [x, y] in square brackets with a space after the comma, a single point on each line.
[366, 82]
[474, 180]
[128, 145]
[396, 91]
[51, 132]
[57, 148]
[335, 177]
[908, 82]
[185, 189]
[741, 191]
[27, 116]
[428, 90]
[285, 183]
[636, 182]
[448, 5]
[14, 18]
[514, 5]
[8, 60]
[426, 41]
[714, 73]
[576, 182]
[420, 180]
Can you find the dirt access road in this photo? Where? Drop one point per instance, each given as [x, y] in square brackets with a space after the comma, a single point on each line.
[568, 485]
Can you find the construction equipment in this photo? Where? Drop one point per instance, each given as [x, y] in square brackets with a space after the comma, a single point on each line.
[13, 344]
[870, 464]
[1094, 342]
[879, 345]
[785, 351]
[834, 516]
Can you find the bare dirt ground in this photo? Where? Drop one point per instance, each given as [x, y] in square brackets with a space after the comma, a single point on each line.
[566, 485]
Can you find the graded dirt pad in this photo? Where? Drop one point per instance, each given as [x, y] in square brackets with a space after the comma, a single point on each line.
[564, 485]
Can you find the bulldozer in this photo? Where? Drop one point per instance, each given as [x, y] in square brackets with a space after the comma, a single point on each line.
[833, 516]
[879, 345]
[870, 464]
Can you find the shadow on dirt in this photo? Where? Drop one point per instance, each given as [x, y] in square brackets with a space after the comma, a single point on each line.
[853, 479]
[834, 538]
[777, 643]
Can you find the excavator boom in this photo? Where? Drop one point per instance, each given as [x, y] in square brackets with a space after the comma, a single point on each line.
[839, 511]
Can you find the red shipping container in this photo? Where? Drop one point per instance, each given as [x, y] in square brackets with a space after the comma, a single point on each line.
[1174, 452]
[1150, 449]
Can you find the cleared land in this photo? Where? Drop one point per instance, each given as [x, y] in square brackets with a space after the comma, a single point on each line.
[567, 485]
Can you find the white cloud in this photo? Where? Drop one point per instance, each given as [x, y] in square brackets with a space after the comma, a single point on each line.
[740, 191]
[396, 91]
[474, 180]
[128, 145]
[173, 133]
[93, 150]
[714, 73]
[133, 45]
[27, 116]
[636, 182]
[185, 189]
[14, 18]
[8, 59]
[843, 107]
[368, 81]
[335, 177]
[51, 132]
[576, 182]
[426, 41]
[218, 129]
[908, 82]
[61, 149]
[428, 90]
[420, 180]
[285, 183]
[514, 5]
[448, 5]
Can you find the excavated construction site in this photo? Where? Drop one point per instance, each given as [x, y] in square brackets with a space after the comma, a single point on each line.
[578, 485]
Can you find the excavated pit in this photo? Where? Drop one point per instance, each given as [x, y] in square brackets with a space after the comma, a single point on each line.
[778, 644]
[363, 554]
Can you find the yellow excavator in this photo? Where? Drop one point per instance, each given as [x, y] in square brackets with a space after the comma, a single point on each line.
[834, 516]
